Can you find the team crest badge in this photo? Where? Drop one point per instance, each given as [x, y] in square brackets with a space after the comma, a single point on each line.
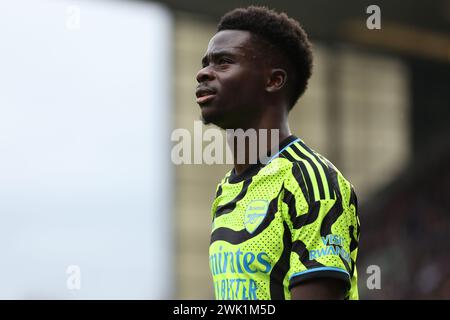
[255, 214]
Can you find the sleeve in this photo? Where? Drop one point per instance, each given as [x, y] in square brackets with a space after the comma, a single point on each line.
[320, 230]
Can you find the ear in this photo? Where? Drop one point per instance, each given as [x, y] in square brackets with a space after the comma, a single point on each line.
[276, 81]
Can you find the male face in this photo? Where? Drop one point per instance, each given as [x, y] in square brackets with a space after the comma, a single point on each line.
[231, 85]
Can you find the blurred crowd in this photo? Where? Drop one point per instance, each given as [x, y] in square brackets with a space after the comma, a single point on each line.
[406, 232]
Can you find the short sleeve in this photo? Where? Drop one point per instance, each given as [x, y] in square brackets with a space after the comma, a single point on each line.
[321, 235]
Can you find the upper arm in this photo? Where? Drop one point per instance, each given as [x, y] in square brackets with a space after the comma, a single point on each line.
[320, 289]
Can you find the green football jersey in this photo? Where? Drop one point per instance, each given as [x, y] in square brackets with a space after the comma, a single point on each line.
[278, 224]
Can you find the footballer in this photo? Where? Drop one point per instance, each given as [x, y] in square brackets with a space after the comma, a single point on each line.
[286, 228]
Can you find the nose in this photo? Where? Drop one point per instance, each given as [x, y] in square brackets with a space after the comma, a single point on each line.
[205, 74]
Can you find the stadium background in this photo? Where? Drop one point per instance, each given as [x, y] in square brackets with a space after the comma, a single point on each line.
[377, 106]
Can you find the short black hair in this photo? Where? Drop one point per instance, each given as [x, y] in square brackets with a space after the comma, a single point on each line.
[284, 33]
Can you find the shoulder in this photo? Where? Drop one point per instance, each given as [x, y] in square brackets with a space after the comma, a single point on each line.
[310, 171]
[222, 182]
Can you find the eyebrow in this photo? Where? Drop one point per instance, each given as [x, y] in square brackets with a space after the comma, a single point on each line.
[219, 53]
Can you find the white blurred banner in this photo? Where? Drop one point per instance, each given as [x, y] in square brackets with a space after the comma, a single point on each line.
[85, 173]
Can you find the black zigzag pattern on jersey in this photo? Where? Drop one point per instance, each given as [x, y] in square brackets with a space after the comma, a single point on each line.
[230, 206]
[235, 237]
[315, 169]
[354, 202]
[330, 218]
[358, 228]
[298, 175]
[281, 268]
[353, 268]
[308, 218]
[300, 248]
[353, 245]
[219, 191]
[289, 199]
[353, 241]
[353, 199]
[324, 166]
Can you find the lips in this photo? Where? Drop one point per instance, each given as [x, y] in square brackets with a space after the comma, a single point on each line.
[205, 94]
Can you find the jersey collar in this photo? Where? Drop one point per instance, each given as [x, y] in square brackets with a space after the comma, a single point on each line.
[254, 168]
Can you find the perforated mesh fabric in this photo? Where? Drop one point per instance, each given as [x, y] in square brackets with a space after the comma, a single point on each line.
[273, 235]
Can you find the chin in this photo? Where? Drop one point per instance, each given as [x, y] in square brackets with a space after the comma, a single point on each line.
[214, 115]
[215, 121]
[210, 120]
[210, 115]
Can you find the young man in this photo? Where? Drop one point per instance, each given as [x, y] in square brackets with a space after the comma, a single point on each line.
[287, 228]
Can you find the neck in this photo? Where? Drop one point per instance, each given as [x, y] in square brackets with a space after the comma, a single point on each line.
[248, 148]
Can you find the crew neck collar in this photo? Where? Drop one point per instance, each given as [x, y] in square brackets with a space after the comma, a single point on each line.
[253, 169]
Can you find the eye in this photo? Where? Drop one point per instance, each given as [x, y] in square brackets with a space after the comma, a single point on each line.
[223, 61]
